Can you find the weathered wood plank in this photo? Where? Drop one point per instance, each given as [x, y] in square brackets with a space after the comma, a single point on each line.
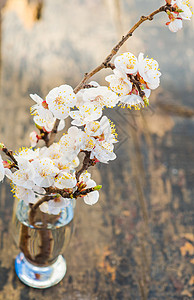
[136, 243]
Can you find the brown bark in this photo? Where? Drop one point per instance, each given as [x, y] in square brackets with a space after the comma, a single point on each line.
[106, 62]
[23, 243]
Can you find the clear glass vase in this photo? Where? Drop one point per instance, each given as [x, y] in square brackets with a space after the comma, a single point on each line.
[40, 263]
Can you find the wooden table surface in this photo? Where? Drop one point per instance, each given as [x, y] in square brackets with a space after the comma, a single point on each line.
[137, 241]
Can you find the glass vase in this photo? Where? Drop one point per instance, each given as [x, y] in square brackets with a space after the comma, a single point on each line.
[40, 263]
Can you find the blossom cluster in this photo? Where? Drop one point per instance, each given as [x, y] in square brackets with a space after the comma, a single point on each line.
[39, 169]
[181, 11]
[55, 169]
[133, 79]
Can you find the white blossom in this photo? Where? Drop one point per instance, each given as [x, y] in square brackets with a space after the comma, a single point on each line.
[44, 208]
[92, 127]
[55, 206]
[8, 173]
[63, 164]
[48, 121]
[92, 197]
[90, 143]
[100, 137]
[27, 153]
[60, 158]
[79, 98]
[86, 113]
[103, 151]
[43, 117]
[175, 24]
[27, 195]
[38, 101]
[148, 70]
[126, 63]
[38, 190]
[183, 5]
[45, 172]
[53, 152]
[40, 109]
[100, 96]
[102, 130]
[33, 138]
[65, 180]
[85, 176]
[183, 11]
[2, 169]
[71, 143]
[119, 83]
[134, 100]
[60, 100]
[25, 175]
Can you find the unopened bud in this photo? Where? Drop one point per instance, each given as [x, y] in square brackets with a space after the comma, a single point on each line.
[7, 164]
[146, 101]
[97, 188]
[169, 13]
[45, 105]
[179, 10]
[81, 185]
[95, 160]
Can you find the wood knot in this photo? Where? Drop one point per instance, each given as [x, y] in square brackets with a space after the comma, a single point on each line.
[143, 18]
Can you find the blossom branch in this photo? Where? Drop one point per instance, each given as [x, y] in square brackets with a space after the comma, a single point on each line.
[9, 153]
[61, 192]
[78, 193]
[65, 194]
[137, 84]
[23, 243]
[44, 135]
[87, 162]
[52, 134]
[34, 207]
[106, 62]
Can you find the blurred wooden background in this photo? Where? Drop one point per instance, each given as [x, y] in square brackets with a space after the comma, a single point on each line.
[137, 241]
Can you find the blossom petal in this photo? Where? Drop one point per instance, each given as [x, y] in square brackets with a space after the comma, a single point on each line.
[65, 180]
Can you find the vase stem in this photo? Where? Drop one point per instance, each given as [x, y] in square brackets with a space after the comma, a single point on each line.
[23, 243]
[45, 248]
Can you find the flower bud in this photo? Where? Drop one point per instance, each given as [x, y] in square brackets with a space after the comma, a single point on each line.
[179, 10]
[97, 188]
[7, 164]
[44, 104]
[146, 100]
